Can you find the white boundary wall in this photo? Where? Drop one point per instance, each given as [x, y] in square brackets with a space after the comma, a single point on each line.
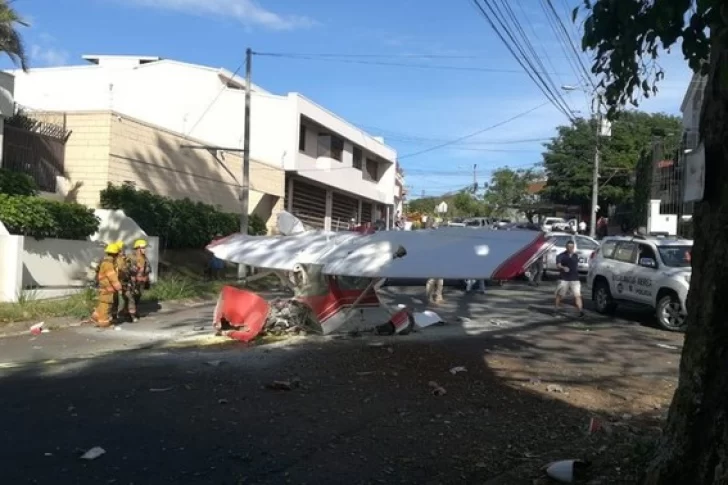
[51, 268]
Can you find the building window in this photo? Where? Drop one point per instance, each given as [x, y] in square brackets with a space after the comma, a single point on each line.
[372, 170]
[330, 146]
[357, 158]
[301, 138]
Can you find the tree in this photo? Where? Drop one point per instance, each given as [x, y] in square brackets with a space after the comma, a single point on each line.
[465, 203]
[508, 189]
[569, 157]
[11, 43]
[626, 37]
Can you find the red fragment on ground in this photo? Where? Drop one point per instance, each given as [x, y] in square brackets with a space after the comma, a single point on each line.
[244, 310]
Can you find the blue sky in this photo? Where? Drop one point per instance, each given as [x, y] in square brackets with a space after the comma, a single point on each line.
[470, 83]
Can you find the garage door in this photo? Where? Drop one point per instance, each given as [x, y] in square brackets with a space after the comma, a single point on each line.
[366, 212]
[309, 203]
[343, 210]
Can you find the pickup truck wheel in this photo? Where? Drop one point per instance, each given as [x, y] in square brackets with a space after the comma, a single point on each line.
[669, 314]
[602, 297]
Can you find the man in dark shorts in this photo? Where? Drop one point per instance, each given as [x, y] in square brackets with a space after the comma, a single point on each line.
[568, 263]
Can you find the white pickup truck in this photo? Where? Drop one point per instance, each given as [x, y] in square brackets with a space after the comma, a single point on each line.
[643, 270]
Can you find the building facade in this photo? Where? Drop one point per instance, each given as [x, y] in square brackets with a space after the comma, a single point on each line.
[335, 173]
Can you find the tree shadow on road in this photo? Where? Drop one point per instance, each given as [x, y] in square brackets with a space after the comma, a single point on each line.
[364, 411]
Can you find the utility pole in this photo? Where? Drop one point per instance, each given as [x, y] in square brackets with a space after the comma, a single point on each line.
[475, 178]
[595, 176]
[245, 188]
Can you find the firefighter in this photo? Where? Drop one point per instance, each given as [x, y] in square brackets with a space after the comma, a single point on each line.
[140, 276]
[124, 301]
[108, 286]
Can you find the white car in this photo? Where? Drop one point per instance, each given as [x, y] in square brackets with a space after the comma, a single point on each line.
[643, 270]
[548, 223]
[584, 247]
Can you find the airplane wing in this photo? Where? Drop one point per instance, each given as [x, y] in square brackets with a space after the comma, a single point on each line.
[451, 253]
[278, 252]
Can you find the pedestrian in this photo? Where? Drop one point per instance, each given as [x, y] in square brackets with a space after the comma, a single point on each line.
[582, 227]
[108, 286]
[433, 289]
[140, 277]
[568, 263]
[535, 272]
[470, 283]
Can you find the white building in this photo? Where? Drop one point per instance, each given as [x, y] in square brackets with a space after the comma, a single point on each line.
[335, 172]
[690, 109]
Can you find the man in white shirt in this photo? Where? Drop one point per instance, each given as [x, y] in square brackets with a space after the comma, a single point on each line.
[582, 227]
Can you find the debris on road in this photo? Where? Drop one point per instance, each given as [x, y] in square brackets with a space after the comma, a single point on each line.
[457, 370]
[567, 471]
[161, 389]
[437, 389]
[555, 388]
[284, 385]
[668, 347]
[214, 363]
[37, 329]
[93, 453]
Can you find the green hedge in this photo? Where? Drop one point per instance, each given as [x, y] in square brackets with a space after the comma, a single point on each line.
[179, 223]
[41, 218]
[16, 183]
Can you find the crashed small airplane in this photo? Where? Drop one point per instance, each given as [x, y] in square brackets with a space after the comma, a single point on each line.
[335, 276]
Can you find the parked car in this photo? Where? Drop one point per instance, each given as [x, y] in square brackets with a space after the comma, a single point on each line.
[548, 223]
[483, 222]
[648, 271]
[584, 247]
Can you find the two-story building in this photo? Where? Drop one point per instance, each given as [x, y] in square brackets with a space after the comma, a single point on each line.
[304, 158]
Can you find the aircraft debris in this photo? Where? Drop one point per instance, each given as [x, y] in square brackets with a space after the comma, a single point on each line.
[437, 389]
[567, 471]
[93, 453]
[457, 370]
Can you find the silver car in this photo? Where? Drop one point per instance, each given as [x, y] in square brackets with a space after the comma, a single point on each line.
[585, 246]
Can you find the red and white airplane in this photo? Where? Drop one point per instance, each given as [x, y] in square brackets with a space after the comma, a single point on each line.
[337, 274]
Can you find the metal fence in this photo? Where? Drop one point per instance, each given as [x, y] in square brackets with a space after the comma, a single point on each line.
[40, 156]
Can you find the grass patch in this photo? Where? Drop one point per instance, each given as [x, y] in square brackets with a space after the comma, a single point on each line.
[169, 288]
[29, 308]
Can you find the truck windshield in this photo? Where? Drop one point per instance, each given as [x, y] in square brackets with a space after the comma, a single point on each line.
[676, 256]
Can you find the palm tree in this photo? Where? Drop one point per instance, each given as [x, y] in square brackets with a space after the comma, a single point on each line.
[10, 41]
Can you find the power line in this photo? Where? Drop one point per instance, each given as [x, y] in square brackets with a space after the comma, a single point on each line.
[476, 133]
[388, 64]
[532, 74]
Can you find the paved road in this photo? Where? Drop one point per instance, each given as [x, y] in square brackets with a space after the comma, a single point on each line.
[467, 314]
[363, 413]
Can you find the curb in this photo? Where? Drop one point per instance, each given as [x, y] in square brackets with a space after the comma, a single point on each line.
[176, 308]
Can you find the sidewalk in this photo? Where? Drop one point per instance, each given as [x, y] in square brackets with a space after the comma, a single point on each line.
[12, 329]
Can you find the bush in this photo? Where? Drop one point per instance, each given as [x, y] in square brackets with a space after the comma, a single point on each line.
[41, 218]
[180, 224]
[16, 183]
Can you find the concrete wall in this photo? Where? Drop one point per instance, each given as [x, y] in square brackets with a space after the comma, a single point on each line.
[50, 268]
[110, 147]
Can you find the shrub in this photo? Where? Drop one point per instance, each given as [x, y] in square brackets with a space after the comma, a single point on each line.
[16, 183]
[41, 218]
[179, 223]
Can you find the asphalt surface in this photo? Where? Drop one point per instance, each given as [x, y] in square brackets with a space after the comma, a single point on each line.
[361, 409]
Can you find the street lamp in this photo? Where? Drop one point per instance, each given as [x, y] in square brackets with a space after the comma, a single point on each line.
[595, 172]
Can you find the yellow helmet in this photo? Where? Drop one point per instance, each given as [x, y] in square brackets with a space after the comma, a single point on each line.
[140, 243]
[112, 248]
[120, 243]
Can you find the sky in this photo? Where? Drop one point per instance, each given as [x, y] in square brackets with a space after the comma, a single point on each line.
[422, 74]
